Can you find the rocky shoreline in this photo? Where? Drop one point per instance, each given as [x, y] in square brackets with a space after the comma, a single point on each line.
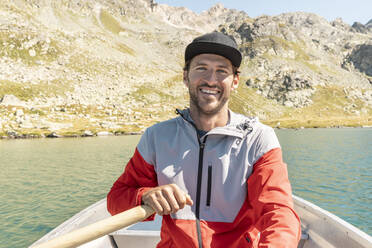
[87, 133]
[108, 134]
[55, 135]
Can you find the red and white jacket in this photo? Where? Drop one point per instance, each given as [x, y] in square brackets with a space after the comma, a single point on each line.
[234, 174]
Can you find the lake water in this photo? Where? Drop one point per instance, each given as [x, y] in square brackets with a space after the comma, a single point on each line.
[46, 181]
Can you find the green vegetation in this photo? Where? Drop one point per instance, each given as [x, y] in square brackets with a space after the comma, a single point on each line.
[312, 67]
[176, 79]
[247, 101]
[274, 42]
[81, 63]
[26, 91]
[27, 48]
[125, 49]
[110, 23]
[36, 112]
[150, 93]
[330, 108]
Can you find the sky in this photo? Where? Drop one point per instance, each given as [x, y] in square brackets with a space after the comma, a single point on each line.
[349, 10]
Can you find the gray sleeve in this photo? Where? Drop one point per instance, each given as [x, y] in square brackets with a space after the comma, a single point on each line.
[146, 147]
[265, 140]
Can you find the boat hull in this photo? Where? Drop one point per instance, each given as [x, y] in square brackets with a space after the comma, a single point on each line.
[320, 229]
[325, 229]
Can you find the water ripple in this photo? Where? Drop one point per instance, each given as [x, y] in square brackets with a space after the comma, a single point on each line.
[333, 169]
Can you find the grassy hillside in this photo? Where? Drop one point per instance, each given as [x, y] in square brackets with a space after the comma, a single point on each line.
[331, 108]
[82, 68]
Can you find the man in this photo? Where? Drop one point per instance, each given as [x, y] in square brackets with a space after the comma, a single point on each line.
[215, 176]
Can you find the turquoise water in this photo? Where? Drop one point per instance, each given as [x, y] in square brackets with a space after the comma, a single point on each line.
[333, 169]
[46, 181]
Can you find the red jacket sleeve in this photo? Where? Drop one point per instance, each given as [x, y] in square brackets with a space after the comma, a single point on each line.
[270, 194]
[128, 189]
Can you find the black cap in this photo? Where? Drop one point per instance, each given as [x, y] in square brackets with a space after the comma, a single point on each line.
[215, 43]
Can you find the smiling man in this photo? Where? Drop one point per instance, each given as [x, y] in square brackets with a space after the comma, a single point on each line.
[215, 176]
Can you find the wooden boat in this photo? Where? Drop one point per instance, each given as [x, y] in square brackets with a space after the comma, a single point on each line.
[320, 229]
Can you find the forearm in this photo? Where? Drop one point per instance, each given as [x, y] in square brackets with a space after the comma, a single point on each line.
[122, 197]
[128, 189]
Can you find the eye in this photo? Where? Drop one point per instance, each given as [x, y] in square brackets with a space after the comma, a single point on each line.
[222, 71]
[200, 68]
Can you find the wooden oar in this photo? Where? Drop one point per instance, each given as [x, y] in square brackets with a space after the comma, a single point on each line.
[99, 229]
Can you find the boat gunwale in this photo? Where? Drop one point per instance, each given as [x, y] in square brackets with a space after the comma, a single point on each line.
[353, 232]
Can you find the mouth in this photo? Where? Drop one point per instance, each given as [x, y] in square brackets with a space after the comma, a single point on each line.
[210, 91]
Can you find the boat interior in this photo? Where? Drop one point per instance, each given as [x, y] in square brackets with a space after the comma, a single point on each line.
[320, 229]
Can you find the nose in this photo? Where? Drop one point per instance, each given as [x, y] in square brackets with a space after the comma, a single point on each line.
[211, 77]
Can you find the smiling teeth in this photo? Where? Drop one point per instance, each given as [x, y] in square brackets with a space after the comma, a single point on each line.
[209, 91]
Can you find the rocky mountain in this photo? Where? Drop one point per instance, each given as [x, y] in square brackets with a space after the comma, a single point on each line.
[360, 28]
[75, 67]
[297, 52]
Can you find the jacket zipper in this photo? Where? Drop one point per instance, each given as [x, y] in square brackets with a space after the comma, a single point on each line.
[198, 190]
[199, 179]
[209, 188]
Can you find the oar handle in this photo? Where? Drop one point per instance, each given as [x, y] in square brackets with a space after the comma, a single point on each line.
[99, 229]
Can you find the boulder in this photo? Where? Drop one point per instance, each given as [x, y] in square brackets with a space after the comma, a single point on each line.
[32, 52]
[53, 135]
[88, 133]
[19, 113]
[369, 25]
[11, 100]
[361, 57]
[339, 23]
[104, 133]
[359, 27]
[290, 88]
[12, 134]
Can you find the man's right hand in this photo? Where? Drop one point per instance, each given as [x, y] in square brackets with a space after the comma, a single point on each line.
[166, 199]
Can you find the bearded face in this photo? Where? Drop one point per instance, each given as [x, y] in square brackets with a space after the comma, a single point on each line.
[210, 80]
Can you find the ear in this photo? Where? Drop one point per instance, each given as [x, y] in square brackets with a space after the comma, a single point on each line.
[186, 78]
[235, 82]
